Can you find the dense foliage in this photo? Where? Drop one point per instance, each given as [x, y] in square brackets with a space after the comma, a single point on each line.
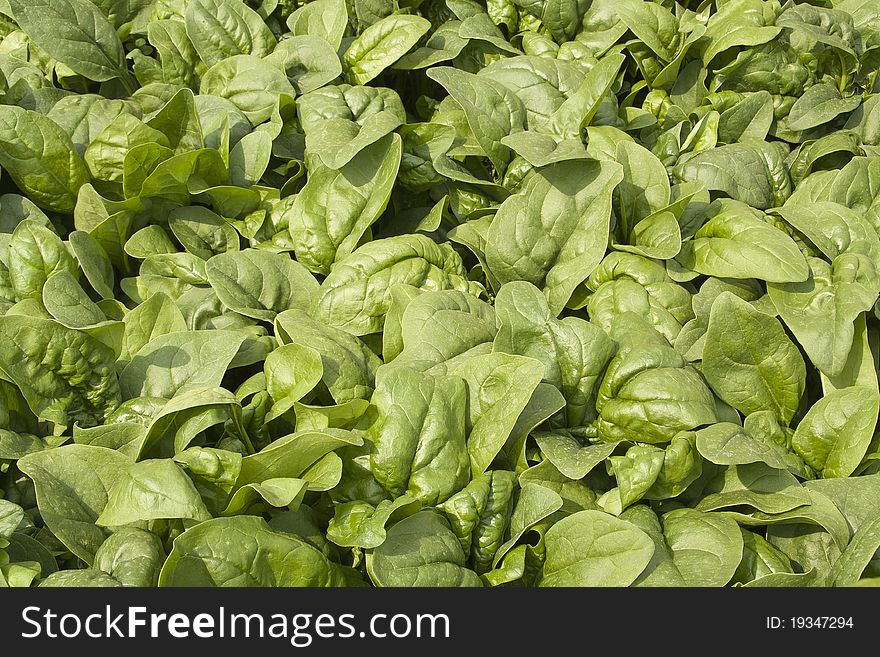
[368, 292]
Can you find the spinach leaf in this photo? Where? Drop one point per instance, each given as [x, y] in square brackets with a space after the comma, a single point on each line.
[467, 293]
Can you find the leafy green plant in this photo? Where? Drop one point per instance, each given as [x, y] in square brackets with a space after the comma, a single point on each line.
[444, 293]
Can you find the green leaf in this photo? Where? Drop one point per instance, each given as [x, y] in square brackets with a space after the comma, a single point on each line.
[292, 371]
[73, 484]
[358, 524]
[152, 490]
[569, 456]
[292, 455]
[440, 331]
[821, 311]
[749, 360]
[492, 110]
[77, 34]
[737, 244]
[174, 362]
[554, 232]
[40, 158]
[35, 253]
[308, 60]
[131, 556]
[499, 387]
[726, 443]
[337, 206]
[79, 578]
[10, 517]
[420, 550]
[259, 284]
[591, 548]
[645, 185]
[745, 172]
[356, 295]
[381, 44]
[649, 392]
[154, 317]
[834, 435]
[244, 551]
[574, 352]
[819, 104]
[65, 375]
[219, 29]
[248, 83]
[848, 568]
[706, 547]
[419, 437]
[326, 19]
[349, 366]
